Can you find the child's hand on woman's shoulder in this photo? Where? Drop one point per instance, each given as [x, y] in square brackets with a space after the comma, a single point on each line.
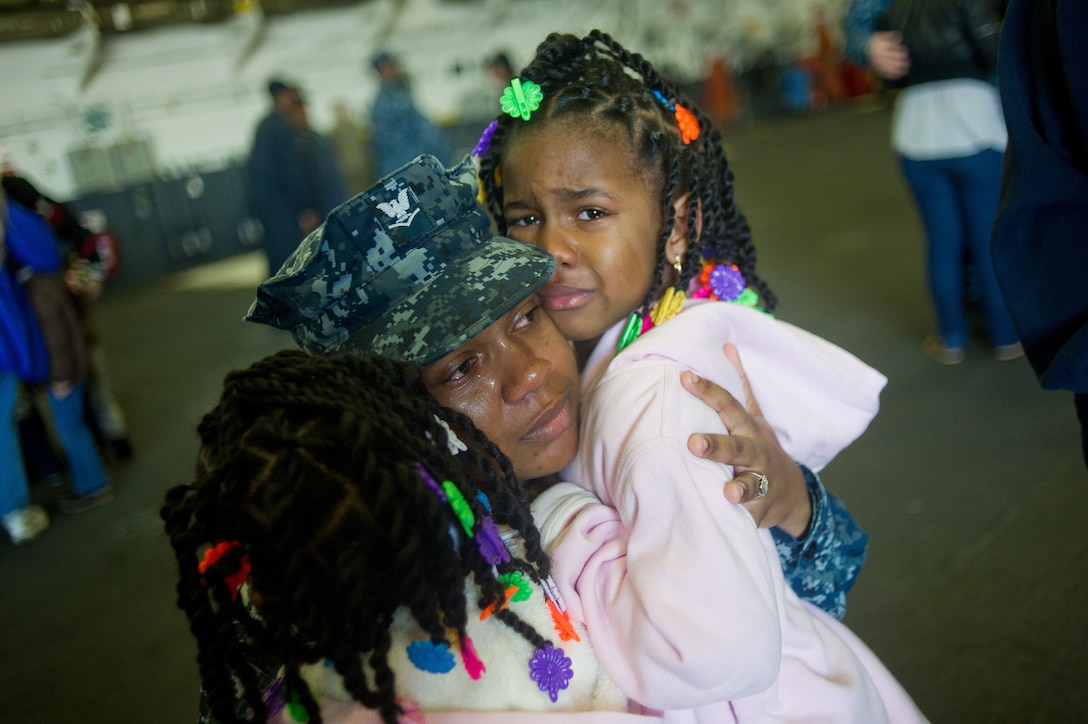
[768, 482]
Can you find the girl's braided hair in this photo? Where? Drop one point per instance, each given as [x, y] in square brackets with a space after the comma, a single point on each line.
[599, 86]
[309, 464]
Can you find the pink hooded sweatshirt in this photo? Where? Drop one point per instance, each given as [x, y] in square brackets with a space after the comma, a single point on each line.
[683, 597]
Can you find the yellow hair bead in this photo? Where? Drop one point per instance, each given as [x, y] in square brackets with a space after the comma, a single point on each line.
[668, 306]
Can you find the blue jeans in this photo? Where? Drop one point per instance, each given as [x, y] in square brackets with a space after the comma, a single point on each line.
[84, 462]
[957, 199]
[14, 489]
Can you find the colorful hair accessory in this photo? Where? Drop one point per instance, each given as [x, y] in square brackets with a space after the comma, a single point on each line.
[273, 698]
[727, 281]
[516, 579]
[562, 624]
[215, 552]
[453, 443]
[507, 597]
[296, 709]
[687, 122]
[431, 657]
[668, 306]
[699, 286]
[685, 119]
[234, 580]
[489, 542]
[551, 669]
[488, 538]
[552, 592]
[430, 482]
[480, 496]
[485, 140]
[748, 298]
[631, 331]
[520, 98]
[724, 281]
[664, 309]
[459, 506]
[473, 665]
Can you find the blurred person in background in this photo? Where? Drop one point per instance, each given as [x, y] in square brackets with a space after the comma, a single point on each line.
[293, 179]
[484, 88]
[34, 256]
[499, 71]
[90, 257]
[351, 143]
[23, 358]
[401, 132]
[950, 136]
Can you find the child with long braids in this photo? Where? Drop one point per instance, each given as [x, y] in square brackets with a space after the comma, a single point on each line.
[602, 162]
[626, 184]
[348, 533]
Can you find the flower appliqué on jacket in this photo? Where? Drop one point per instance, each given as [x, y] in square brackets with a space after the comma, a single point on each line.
[431, 657]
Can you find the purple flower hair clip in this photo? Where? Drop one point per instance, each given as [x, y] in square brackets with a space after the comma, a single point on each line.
[716, 281]
[551, 669]
[726, 281]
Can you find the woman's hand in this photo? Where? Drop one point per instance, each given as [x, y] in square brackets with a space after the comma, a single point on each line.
[887, 55]
[752, 448]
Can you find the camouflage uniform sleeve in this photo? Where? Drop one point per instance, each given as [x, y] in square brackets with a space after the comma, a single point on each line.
[821, 566]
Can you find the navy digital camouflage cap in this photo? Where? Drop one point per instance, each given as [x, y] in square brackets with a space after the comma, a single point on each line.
[409, 269]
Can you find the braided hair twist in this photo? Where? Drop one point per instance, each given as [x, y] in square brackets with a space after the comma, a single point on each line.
[307, 474]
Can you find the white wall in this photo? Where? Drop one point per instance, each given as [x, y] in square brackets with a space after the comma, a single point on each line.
[196, 92]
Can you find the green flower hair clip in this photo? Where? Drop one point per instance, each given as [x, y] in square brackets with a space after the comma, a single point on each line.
[520, 99]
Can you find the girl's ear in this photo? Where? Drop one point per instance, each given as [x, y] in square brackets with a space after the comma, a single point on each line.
[677, 245]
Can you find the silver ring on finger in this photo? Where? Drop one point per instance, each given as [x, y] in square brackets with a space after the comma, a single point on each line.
[761, 483]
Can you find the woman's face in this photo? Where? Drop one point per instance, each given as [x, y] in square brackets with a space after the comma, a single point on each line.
[517, 380]
[581, 198]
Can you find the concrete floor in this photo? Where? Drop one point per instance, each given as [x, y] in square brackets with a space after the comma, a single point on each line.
[970, 480]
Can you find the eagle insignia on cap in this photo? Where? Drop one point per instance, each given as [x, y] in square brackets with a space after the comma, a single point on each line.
[398, 209]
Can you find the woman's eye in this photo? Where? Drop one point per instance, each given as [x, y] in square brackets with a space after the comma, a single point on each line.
[528, 318]
[461, 371]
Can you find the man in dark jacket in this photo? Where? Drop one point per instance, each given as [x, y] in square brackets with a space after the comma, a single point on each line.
[1040, 238]
[293, 179]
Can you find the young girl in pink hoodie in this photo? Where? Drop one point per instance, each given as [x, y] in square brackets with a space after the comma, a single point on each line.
[600, 161]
